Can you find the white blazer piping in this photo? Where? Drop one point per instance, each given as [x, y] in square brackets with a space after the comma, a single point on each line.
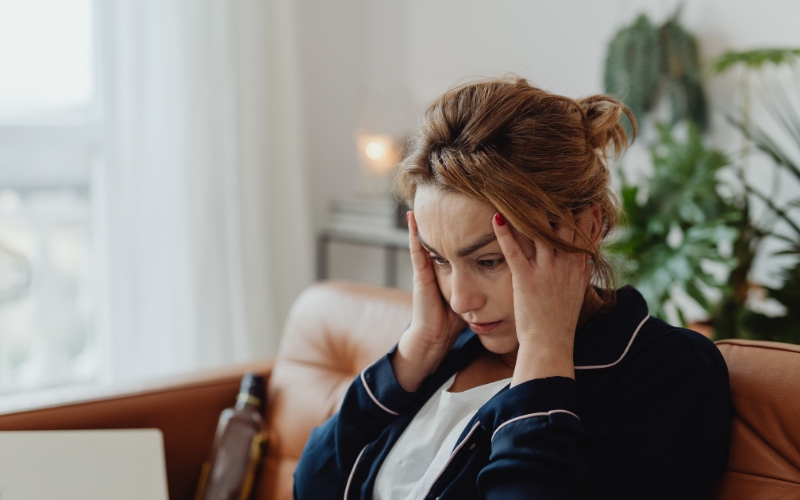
[531, 415]
[352, 473]
[364, 381]
[450, 459]
[630, 342]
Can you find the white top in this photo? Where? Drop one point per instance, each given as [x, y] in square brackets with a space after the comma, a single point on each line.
[420, 454]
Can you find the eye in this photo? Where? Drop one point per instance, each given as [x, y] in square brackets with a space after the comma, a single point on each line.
[490, 263]
[438, 261]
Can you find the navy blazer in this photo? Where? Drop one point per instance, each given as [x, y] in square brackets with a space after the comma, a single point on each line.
[647, 416]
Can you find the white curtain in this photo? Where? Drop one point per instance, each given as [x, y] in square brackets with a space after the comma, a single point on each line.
[204, 233]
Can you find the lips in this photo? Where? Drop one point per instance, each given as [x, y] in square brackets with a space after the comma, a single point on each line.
[484, 327]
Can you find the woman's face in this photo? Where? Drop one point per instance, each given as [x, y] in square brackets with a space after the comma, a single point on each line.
[473, 275]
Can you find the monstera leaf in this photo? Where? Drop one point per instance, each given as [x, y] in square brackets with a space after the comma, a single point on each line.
[681, 227]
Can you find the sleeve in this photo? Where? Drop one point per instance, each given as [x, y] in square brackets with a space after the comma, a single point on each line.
[539, 444]
[371, 403]
[665, 436]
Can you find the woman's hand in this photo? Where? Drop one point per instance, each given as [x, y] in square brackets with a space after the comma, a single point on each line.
[434, 325]
[549, 287]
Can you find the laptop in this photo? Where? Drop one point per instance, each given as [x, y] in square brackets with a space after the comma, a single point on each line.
[83, 465]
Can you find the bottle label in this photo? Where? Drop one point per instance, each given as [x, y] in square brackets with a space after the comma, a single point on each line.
[248, 398]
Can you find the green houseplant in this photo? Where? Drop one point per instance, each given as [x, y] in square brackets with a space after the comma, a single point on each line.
[678, 226]
[645, 62]
[733, 319]
[682, 224]
[677, 222]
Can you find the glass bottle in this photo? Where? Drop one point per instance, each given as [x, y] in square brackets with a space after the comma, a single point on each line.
[230, 471]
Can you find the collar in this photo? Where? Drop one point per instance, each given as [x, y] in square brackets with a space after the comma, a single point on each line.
[606, 337]
[601, 342]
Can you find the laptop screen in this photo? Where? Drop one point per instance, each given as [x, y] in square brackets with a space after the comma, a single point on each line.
[82, 465]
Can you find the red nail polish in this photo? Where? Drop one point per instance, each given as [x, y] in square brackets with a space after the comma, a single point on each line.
[408, 216]
[501, 221]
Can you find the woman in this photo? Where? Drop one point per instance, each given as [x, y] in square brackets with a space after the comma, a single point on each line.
[517, 378]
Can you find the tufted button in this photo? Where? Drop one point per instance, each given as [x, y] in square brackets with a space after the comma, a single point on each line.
[472, 446]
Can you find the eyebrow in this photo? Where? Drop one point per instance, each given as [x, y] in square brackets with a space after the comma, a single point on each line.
[482, 242]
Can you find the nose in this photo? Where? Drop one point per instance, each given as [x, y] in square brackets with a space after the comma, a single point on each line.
[465, 293]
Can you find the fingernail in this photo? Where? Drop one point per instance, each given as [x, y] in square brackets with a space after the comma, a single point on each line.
[408, 215]
[498, 217]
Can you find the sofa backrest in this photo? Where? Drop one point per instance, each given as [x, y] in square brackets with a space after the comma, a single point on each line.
[765, 436]
[334, 330]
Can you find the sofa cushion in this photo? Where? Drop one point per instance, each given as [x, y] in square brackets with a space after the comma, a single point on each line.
[334, 330]
[764, 460]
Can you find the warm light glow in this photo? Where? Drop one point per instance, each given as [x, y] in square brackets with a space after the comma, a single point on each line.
[374, 150]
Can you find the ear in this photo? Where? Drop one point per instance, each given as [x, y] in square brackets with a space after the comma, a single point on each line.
[590, 220]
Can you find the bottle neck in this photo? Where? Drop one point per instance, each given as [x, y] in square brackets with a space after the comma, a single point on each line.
[244, 399]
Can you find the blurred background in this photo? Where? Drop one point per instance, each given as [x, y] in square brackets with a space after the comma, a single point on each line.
[173, 173]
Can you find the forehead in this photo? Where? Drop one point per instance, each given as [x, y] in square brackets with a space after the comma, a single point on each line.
[449, 221]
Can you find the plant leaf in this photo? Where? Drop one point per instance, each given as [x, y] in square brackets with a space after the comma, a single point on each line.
[755, 59]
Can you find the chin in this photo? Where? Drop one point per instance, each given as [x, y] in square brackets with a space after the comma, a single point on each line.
[500, 344]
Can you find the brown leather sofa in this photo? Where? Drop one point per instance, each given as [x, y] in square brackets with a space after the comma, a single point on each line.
[335, 329]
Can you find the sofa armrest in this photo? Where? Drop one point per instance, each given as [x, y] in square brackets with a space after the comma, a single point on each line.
[184, 408]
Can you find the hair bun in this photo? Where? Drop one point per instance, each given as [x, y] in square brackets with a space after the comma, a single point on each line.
[603, 122]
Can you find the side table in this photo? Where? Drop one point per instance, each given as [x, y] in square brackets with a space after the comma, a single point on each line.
[390, 239]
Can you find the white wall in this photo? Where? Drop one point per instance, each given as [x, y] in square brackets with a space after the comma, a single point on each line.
[375, 64]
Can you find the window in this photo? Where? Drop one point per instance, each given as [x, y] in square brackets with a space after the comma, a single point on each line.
[49, 141]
